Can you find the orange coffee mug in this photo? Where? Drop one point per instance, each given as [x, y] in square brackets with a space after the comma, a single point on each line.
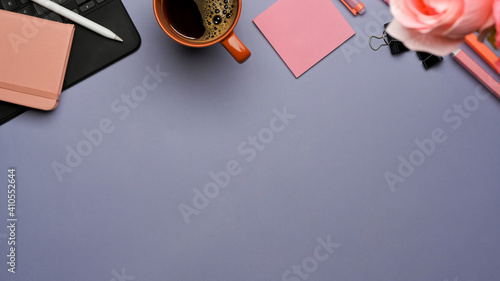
[202, 23]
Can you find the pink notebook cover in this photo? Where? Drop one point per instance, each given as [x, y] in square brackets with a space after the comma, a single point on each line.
[33, 58]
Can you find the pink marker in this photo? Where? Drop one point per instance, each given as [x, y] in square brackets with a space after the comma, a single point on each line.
[477, 71]
[356, 7]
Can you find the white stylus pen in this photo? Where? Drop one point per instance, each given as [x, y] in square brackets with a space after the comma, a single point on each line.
[60, 10]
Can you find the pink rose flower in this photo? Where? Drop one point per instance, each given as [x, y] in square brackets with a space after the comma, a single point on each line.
[439, 26]
[496, 15]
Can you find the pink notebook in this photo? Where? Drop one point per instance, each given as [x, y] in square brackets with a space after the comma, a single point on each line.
[33, 58]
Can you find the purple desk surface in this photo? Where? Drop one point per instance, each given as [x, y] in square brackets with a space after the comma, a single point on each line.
[180, 164]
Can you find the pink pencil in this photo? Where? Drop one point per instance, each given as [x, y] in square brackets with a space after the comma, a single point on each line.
[477, 71]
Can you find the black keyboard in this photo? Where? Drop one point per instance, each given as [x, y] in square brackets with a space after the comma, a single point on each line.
[27, 7]
[90, 52]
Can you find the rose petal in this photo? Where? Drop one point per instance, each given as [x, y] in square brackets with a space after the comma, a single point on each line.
[405, 14]
[440, 6]
[427, 15]
[476, 14]
[430, 43]
[496, 15]
[446, 19]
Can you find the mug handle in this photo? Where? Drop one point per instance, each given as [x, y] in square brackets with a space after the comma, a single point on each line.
[234, 46]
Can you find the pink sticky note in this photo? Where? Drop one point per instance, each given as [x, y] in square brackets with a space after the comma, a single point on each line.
[303, 31]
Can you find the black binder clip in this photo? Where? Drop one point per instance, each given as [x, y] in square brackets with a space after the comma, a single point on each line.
[396, 46]
[429, 60]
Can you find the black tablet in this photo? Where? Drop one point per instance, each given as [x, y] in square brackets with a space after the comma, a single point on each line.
[90, 52]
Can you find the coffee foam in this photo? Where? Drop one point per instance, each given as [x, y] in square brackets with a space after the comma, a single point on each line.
[218, 16]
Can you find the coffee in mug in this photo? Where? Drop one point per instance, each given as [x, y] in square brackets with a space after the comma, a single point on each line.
[202, 23]
[201, 20]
